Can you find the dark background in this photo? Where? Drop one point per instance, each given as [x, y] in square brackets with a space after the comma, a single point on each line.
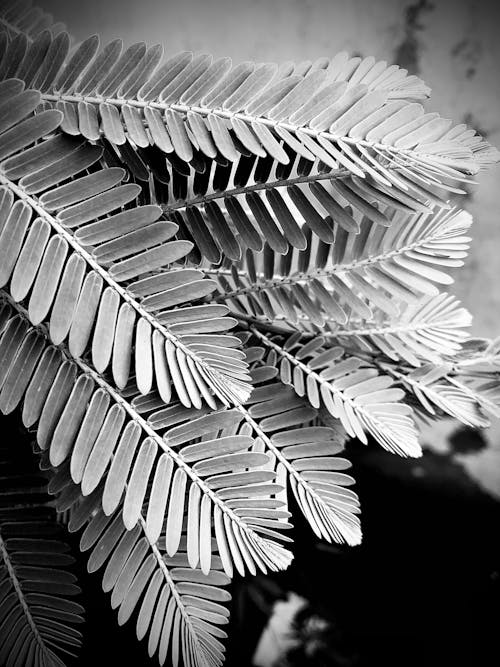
[423, 589]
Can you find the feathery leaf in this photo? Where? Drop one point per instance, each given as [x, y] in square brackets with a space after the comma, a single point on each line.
[83, 269]
[37, 620]
[104, 437]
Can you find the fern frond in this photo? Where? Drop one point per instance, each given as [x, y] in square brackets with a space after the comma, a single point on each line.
[147, 207]
[345, 115]
[431, 329]
[434, 387]
[36, 617]
[180, 611]
[105, 282]
[479, 358]
[487, 394]
[305, 455]
[327, 285]
[227, 209]
[349, 388]
[18, 18]
[83, 419]
[478, 368]
[280, 420]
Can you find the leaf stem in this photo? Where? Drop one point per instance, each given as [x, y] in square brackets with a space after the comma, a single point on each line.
[19, 592]
[95, 266]
[135, 416]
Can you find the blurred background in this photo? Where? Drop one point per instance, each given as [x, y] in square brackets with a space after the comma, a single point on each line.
[419, 590]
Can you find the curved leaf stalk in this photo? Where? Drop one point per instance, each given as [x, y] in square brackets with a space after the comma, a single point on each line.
[124, 294]
[356, 417]
[352, 537]
[19, 592]
[282, 556]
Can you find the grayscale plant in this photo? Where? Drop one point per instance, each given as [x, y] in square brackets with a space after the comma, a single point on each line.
[212, 276]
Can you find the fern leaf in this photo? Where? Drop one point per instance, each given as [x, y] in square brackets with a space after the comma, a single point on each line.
[36, 617]
[147, 207]
[466, 387]
[178, 610]
[351, 390]
[433, 388]
[431, 329]
[90, 275]
[180, 614]
[479, 357]
[84, 420]
[331, 284]
[302, 455]
[487, 394]
[305, 455]
[345, 115]
[21, 19]
[477, 368]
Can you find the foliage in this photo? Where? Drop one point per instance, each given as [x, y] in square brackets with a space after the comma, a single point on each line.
[212, 276]
[37, 611]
